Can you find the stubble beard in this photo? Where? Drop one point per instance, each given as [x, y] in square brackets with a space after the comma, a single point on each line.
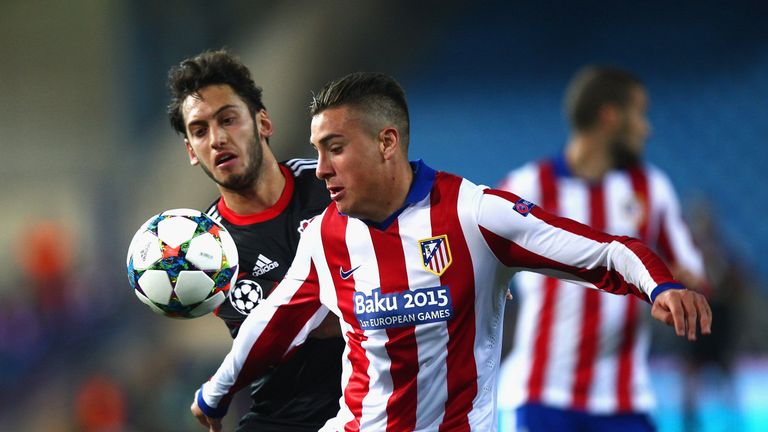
[623, 155]
[251, 173]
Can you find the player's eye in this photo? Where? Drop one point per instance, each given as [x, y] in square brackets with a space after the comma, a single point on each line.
[198, 133]
[226, 121]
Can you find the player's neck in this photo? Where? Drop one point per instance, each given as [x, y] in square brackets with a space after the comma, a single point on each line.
[586, 158]
[265, 192]
[393, 193]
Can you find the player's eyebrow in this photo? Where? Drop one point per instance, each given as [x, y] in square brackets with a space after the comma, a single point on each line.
[324, 140]
[218, 111]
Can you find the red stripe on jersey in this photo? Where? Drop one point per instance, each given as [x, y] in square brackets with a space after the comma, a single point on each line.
[665, 246]
[590, 321]
[401, 346]
[548, 182]
[549, 200]
[590, 317]
[639, 181]
[333, 230]
[597, 207]
[461, 364]
[541, 341]
[626, 359]
[278, 334]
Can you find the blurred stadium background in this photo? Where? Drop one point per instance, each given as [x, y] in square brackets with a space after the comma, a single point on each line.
[88, 156]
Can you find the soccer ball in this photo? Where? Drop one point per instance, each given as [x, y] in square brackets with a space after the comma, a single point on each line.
[181, 263]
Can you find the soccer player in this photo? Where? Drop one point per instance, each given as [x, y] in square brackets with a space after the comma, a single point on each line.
[579, 357]
[405, 256]
[217, 108]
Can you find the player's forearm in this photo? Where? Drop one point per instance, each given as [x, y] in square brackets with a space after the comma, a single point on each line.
[639, 267]
[239, 368]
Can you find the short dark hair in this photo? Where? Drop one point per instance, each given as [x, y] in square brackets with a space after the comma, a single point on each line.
[375, 94]
[210, 68]
[592, 88]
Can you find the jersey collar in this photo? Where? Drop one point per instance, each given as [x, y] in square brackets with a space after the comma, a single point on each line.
[265, 215]
[560, 166]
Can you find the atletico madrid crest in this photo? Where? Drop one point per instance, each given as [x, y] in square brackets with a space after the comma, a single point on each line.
[435, 254]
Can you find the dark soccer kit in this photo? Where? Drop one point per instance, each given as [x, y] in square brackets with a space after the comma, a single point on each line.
[304, 391]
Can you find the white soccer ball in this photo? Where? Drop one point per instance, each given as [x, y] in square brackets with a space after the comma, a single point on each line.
[181, 263]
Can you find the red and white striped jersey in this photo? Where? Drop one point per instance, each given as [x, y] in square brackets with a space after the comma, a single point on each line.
[419, 310]
[581, 349]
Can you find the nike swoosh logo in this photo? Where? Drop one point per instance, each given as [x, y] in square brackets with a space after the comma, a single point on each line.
[347, 274]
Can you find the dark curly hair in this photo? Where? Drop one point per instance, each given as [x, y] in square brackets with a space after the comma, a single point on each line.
[209, 68]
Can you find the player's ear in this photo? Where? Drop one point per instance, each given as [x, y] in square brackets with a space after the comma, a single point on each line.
[191, 153]
[389, 142]
[263, 123]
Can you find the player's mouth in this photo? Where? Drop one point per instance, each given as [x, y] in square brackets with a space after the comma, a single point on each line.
[337, 192]
[224, 159]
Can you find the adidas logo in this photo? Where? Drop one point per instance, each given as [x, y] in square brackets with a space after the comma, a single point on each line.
[264, 265]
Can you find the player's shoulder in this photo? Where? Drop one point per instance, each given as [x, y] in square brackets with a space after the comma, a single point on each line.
[523, 178]
[213, 211]
[300, 167]
[657, 177]
[309, 191]
[303, 171]
[463, 186]
[654, 172]
[466, 194]
[660, 183]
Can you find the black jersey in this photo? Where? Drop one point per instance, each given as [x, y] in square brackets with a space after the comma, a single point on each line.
[304, 391]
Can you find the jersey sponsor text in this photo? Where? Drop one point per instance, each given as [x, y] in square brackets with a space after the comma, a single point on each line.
[422, 306]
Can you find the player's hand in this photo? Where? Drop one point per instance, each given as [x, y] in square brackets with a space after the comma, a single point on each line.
[681, 309]
[213, 424]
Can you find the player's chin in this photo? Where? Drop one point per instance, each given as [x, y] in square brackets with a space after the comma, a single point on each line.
[348, 208]
[233, 181]
[342, 207]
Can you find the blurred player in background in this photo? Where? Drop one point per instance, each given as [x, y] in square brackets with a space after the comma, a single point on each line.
[406, 257]
[265, 205]
[579, 360]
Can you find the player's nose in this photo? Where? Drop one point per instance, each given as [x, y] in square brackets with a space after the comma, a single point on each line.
[218, 137]
[324, 169]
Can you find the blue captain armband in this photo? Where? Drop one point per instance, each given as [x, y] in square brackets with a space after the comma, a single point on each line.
[211, 412]
[664, 287]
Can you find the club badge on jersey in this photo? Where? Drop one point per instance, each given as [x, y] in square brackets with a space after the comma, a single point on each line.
[635, 208]
[436, 254]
